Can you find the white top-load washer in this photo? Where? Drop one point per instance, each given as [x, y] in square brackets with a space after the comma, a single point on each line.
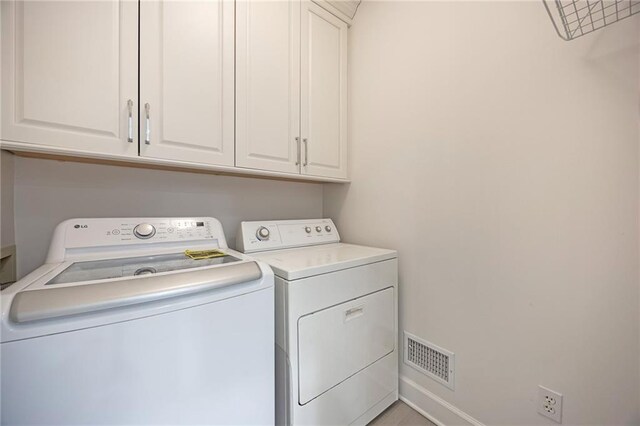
[336, 322]
[120, 327]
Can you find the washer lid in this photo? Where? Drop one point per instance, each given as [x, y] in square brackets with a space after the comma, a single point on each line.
[296, 263]
[62, 301]
[132, 266]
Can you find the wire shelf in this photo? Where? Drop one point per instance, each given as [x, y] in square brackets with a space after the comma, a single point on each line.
[575, 18]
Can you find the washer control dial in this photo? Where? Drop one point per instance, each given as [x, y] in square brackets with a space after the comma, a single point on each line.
[307, 229]
[144, 231]
[327, 228]
[318, 229]
[262, 233]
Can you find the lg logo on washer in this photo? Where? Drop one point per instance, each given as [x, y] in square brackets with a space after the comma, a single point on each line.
[80, 226]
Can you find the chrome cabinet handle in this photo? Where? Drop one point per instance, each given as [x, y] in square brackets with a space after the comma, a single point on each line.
[130, 121]
[298, 154]
[306, 152]
[147, 134]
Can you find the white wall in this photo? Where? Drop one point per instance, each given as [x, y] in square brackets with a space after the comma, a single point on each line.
[502, 163]
[48, 192]
[7, 231]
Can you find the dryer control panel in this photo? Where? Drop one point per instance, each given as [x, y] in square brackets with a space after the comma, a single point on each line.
[280, 234]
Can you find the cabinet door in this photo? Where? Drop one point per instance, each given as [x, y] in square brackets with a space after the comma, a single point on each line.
[69, 69]
[186, 79]
[268, 85]
[323, 93]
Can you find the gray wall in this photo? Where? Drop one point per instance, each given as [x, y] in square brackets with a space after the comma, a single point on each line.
[48, 192]
[7, 234]
[502, 163]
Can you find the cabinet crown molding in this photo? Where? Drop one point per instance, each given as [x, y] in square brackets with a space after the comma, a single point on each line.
[343, 9]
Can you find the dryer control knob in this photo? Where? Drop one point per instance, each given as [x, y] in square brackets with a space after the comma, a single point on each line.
[144, 231]
[307, 229]
[318, 229]
[327, 228]
[262, 233]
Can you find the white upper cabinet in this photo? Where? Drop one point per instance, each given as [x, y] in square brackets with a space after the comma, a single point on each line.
[291, 76]
[236, 86]
[69, 70]
[323, 93]
[268, 85]
[187, 81]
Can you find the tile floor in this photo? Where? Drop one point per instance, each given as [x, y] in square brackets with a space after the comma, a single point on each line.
[400, 414]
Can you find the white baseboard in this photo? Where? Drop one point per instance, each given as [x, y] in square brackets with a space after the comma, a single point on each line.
[432, 406]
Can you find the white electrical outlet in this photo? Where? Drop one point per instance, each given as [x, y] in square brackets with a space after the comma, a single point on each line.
[550, 404]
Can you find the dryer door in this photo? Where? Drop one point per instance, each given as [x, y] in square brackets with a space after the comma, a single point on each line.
[337, 342]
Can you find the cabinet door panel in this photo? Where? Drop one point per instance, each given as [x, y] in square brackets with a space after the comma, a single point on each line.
[268, 84]
[186, 77]
[324, 93]
[68, 70]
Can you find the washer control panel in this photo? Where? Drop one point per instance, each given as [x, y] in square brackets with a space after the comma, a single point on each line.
[281, 234]
[110, 232]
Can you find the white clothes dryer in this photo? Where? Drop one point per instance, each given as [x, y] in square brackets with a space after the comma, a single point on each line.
[336, 321]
